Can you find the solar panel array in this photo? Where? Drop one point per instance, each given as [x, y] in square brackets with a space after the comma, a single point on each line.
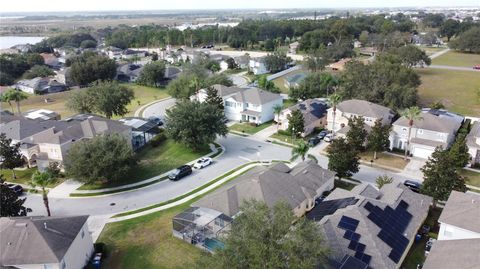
[350, 226]
[392, 224]
[325, 208]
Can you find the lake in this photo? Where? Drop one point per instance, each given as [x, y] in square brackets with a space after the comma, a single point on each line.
[9, 41]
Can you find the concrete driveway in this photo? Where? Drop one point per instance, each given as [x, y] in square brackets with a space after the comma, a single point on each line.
[412, 169]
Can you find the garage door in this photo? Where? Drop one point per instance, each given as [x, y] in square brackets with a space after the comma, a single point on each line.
[422, 152]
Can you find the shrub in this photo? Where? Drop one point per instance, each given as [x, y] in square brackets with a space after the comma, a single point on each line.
[158, 139]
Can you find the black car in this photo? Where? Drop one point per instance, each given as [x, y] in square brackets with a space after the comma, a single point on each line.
[313, 141]
[155, 120]
[322, 134]
[413, 185]
[180, 172]
[16, 188]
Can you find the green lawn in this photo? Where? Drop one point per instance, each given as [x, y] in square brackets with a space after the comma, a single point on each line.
[249, 128]
[416, 254]
[384, 159]
[155, 161]
[143, 95]
[473, 178]
[459, 91]
[430, 50]
[23, 176]
[454, 58]
[284, 138]
[344, 185]
[288, 103]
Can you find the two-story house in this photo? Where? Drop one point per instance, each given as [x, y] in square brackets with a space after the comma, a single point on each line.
[473, 143]
[314, 113]
[245, 104]
[370, 112]
[257, 66]
[434, 128]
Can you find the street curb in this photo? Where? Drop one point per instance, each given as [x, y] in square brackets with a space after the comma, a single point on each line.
[140, 110]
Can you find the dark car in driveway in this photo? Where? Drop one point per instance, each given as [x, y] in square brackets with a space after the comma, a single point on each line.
[313, 141]
[322, 134]
[413, 185]
[16, 188]
[180, 172]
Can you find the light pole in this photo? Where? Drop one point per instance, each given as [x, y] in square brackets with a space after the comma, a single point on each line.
[293, 135]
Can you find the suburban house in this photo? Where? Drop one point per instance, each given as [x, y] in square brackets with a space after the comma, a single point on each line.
[458, 244]
[370, 112]
[63, 76]
[368, 51]
[129, 72]
[113, 52]
[242, 61]
[130, 54]
[370, 228]
[45, 242]
[142, 131]
[172, 72]
[293, 47]
[339, 65]
[209, 217]
[51, 60]
[293, 81]
[314, 113]
[435, 128]
[41, 114]
[257, 66]
[245, 104]
[40, 85]
[473, 143]
[45, 141]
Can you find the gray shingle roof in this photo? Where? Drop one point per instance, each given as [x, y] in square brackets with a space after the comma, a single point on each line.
[434, 120]
[364, 108]
[37, 240]
[462, 210]
[458, 254]
[312, 110]
[270, 185]
[390, 195]
[255, 96]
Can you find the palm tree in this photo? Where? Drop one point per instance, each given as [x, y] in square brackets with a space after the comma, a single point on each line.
[300, 150]
[3, 98]
[411, 114]
[42, 179]
[277, 109]
[15, 96]
[334, 100]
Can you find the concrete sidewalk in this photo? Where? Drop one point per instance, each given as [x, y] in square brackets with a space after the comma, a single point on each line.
[63, 190]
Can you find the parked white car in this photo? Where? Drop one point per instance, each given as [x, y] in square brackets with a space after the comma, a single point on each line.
[203, 162]
[328, 138]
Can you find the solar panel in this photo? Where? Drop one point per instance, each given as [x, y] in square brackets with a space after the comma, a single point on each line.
[325, 208]
[360, 247]
[348, 223]
[355, 237]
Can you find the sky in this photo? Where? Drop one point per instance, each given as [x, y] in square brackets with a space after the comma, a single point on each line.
[103, 5]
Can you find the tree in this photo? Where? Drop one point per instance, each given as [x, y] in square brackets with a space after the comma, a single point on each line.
[468, 41]
[90, 67]
[459, 152]
[38, 71]
[277, 110]
[411, 55]
[42, 180]
[440, 176]
[342, 158]
[105, 158]
[450, 28]
[276, 62]
[300, 150]
[411, 114]
[10, 154]
[382, 180]
[377, 139]
[268, 85]
[317, 61]
[16, 96]
[264, 238]
[86, 44]
[153, 74]
[182, 86]
[53, 170]
[231, 63]
[314, 85]
[296, 123]
[213, 98]
[10, 204]
[195, 124]
[154, 56]
[107, 98]
[333, 101]
[356, 134]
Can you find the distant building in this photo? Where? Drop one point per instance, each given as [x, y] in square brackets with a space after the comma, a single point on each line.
[293, 47]
[257, 66]
[45, 242]
[40, 85]
[293, 81]
[242, 61]
[129, 72]
[51, 60]
[340, 65]
[129, 54]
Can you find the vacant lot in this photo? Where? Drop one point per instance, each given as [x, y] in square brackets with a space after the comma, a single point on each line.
[56, 101]
[454, 58]
[459, 91]
[155, 161]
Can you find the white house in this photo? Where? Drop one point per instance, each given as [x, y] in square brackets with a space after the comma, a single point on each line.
[32, 85]
[113, 52]
[460, 218]
[129, 54]
[370, 112]
[246, 104]
[473, 143]
[257, 66]
[45, 242]
[435, 128]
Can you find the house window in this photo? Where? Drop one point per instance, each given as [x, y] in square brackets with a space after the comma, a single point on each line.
[82, 234]
[229, 104]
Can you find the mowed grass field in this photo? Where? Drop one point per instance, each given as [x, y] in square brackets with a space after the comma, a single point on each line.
[459, 91]
[453, 58]
[143, 95]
